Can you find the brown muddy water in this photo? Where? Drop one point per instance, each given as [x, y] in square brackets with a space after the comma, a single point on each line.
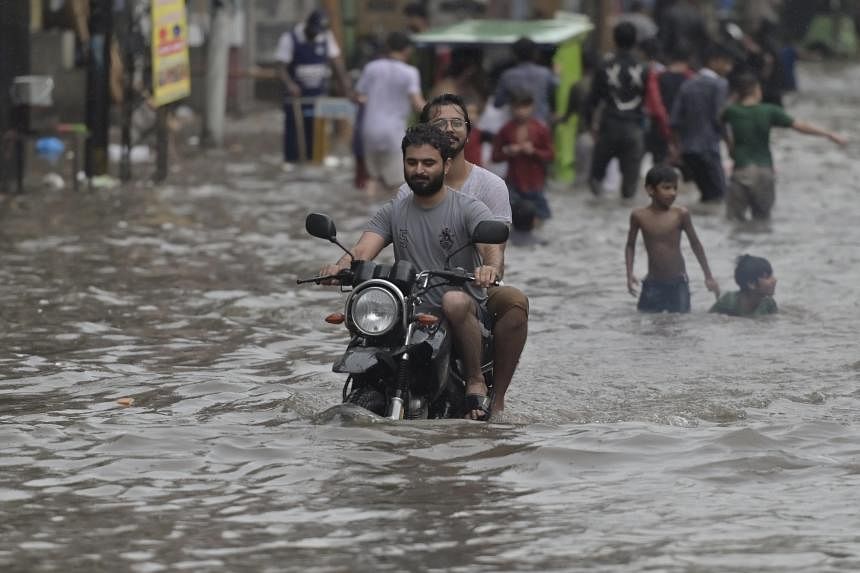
[632, 443]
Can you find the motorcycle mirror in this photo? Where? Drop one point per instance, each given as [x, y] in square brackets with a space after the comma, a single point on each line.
[321, 226]
[490, 233]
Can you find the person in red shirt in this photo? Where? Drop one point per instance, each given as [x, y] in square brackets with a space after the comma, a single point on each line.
[526, 144]
[472, 149]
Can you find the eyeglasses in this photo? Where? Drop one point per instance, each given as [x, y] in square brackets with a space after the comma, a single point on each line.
[455, 123]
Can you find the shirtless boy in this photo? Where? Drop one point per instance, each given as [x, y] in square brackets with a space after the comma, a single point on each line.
[666, 288]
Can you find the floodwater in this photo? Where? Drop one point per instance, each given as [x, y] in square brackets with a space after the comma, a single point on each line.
[632, 443]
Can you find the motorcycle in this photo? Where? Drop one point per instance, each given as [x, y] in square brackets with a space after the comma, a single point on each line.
[400, 362]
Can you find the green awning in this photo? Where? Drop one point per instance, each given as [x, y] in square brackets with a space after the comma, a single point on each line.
[551, 32]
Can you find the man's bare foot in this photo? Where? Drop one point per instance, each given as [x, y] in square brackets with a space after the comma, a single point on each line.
[498, 403]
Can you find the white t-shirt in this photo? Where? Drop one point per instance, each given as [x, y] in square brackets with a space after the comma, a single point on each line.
[284, 53]
[388, 85]
[486, 187]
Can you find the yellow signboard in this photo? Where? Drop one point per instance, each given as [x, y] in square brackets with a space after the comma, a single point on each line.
[171, 72]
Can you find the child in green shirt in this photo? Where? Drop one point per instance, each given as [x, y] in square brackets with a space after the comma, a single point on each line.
[755, 277]
[752, 185]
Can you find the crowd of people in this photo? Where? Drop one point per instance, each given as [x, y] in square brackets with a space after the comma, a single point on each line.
[669, 91]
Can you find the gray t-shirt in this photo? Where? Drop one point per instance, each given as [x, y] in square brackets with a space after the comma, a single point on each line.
[426, 236]
[538, 80]
[486, 187]
[696, 112]
[388, 85]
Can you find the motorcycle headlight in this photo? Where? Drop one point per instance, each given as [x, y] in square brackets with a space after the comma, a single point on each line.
[374, 311]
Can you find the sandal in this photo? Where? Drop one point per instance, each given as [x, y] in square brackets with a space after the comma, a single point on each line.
[480, 402]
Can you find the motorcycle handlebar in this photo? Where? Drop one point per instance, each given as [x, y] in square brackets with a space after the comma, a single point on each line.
[343, 277]
[458, 276]
[495, 283]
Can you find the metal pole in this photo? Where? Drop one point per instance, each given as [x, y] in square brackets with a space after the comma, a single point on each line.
[98, 87]
[248, 57]
[128, 92]
[15, 61]
[217, 57]
[161, 149]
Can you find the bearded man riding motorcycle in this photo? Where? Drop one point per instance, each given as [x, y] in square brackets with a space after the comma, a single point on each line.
[427, 228]
[508, 306]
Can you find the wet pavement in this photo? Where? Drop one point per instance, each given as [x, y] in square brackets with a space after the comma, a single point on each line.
[632, 442]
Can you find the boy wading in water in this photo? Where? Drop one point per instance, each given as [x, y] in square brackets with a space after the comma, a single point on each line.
[752, 186]
[666, 287]
[755, 277]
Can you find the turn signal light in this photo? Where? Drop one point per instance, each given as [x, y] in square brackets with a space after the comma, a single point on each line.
[427, 319]
[335, 318]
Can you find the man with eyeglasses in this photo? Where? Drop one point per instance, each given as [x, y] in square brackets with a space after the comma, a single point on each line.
[508, 306]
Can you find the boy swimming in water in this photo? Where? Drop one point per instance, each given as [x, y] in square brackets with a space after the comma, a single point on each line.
[755, 277]
[666, 288]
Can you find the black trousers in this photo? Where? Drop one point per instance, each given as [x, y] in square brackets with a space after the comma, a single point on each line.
[624, 140]
[706, 170]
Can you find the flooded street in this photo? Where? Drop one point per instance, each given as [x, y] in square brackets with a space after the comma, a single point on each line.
[668, 443]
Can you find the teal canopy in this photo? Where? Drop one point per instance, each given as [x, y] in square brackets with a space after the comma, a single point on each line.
[565, 33]
[506, 32]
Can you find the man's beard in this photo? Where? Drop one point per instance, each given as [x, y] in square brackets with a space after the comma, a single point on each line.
[426, 187]
[456, 146]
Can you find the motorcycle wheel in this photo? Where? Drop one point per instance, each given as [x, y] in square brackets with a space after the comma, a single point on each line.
[369, 399]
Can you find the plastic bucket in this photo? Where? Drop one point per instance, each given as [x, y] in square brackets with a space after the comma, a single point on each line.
[32, 90]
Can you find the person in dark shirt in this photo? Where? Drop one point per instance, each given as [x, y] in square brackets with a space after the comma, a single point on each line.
[619, 89]
[306, 52]
[695, 121]
[683, 27]
[663, 88]
[417, 17]
[528, 75]
[766, 62]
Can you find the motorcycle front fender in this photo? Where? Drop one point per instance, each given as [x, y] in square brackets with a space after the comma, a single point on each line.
[357, 360]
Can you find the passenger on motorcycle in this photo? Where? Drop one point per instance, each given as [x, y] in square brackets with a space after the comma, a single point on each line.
[425, 228]
[508, 306]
